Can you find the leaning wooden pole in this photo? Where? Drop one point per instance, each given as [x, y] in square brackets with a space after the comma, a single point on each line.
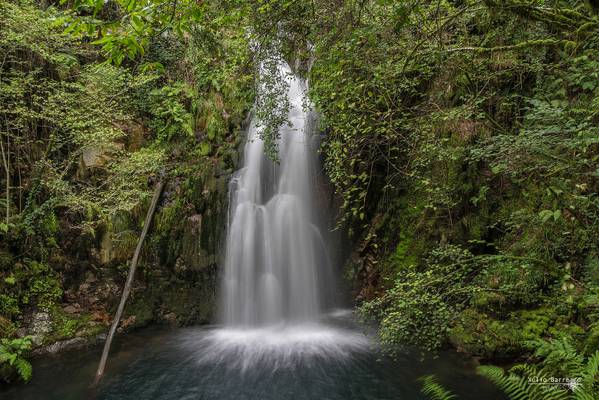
[129, 282]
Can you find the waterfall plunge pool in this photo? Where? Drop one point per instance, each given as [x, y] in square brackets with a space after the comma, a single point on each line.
[276, 271]
[332, 359]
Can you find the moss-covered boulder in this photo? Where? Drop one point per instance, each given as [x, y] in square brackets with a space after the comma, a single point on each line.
[480, 334]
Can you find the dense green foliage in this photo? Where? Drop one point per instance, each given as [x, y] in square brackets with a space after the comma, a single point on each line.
[84, 134]
[470, 128]
[462, 140]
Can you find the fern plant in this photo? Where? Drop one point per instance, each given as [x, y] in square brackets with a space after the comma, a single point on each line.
[519, 387]
[533, 381]
[434, 390]
[560, 358]
[12, 358]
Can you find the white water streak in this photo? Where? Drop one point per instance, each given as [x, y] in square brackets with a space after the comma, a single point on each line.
[275, 263]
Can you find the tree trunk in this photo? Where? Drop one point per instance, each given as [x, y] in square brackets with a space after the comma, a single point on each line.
[128, 283]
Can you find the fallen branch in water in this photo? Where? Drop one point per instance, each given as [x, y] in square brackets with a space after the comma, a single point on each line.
[129, 282]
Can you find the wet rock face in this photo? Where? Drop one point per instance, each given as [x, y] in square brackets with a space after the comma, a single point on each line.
[41, 325]
[63, 345]
[177, 278]
[186, 243]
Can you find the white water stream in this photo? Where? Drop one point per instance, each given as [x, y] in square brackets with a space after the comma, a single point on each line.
[277, 278]
[276, 260]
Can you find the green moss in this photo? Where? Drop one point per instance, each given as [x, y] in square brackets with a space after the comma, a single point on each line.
[477, 334]
[66, 326]
[204, 149]
[480, 334]
[142, 307]
[44, 288]
[9, 306]
[535, 323]
[403, 256]
[486, 300]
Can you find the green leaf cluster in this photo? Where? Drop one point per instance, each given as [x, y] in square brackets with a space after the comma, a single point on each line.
[12, 358]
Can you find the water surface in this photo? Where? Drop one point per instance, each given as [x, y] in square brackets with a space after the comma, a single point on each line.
[317, 362]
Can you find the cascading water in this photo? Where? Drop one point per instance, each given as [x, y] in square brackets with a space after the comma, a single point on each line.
[277, 280]
[275, 261]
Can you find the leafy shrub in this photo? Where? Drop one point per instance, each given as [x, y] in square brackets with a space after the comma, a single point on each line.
[171, 116]
[422, 302]
[426, 299]
[31, 284]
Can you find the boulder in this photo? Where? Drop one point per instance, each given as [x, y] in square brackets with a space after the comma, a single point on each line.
[64, 345]
[72, 309]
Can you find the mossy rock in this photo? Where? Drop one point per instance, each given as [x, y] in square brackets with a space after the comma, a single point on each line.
[479, 334]
[534, 323]
[197, 248]
[488, 300]
[142, 307]
[404, 256]
[192, 299]
[64, 325]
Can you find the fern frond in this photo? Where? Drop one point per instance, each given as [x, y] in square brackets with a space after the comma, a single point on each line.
[434, 390]
[525, 370]
[24, 368]
[587, 390]
[519, 388]
[549, 393]
[584, 395]
[589, 375]
[514, 386]
[4, 354]
[559, 356]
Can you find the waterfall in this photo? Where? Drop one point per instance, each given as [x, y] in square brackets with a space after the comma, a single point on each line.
[277, 281]
[276, 264]
[278, 284]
